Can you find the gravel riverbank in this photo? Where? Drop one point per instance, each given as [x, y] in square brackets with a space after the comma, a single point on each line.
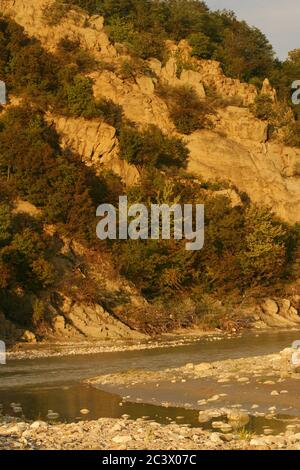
[124, 434]
[239, 370]
[60, 349]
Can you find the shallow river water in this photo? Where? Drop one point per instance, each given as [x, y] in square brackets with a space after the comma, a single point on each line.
[39, 385]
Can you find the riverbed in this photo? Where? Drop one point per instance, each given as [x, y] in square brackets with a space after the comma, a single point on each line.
[56, 383]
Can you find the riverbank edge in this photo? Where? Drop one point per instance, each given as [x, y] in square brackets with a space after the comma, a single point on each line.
[48, 349]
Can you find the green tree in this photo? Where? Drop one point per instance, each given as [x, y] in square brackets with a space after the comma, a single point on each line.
[202, 46]
[245, 52]
[264, 256]
[151, 148]
[263, 108]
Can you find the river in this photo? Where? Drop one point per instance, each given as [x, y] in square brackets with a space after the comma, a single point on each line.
[54, 383]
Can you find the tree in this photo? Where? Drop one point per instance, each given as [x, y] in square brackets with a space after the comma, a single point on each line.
[264, 256]
[151, 148]
[80, 99]
[263, 107]
[187, 111]
[245, 52]
[202, 46]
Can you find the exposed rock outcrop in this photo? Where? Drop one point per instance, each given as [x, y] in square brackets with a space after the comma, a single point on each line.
[238, 152]
[265, 171]
[279, 313]
[212, 75]
[91, 322]
[139, 102]
[96, 143]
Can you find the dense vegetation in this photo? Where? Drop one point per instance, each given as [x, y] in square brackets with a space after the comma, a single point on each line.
[53, 81]
[151, 148]
[186, 110]
[245, 246]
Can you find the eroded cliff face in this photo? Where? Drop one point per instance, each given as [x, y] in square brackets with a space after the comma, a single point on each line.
[237, 150]
[96, 143]
[267, 171]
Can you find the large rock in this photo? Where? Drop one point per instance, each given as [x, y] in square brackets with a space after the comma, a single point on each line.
[287, 311]
[271, 315]
[93, 322]
[265, 171]
[96, 143]
[240, 124]
[193, 79]
[28, 337]
[237, 418]
[270, 307]
[139, 102]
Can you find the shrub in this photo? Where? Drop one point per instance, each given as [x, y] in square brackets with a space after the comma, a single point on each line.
[142, 44]
[201, 45]
[147, 45]
[292, 134]
[55, 12]
[111, 113]
[263, 108]
[68, 45]
[70, 52]
[120, 30]
[38, 312]
[79, 97]
[187, 111]
[151, 148]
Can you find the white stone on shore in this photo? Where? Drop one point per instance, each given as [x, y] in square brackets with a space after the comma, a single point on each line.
[121, 439]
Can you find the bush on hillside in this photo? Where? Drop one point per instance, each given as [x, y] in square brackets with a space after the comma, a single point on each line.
[263, 108]
[151, 148]
[55, 12]
[292, 134]
[187, 111]
[202, 47]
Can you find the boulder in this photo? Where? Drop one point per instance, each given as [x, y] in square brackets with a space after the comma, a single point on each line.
[270, 307]
[28, 337]
[237, 418]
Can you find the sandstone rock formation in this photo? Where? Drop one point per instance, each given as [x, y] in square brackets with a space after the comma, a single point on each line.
[279, 314]
[267, 172]
[91, 322]
[211, 75]
[96, 143]
[139, 102]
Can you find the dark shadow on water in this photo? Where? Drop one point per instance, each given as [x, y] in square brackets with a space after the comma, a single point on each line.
[68, 401]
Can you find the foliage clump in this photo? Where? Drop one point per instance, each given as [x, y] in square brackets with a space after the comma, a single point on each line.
[150, 147]
[263, 108]
[245, 246]
[187, 111]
